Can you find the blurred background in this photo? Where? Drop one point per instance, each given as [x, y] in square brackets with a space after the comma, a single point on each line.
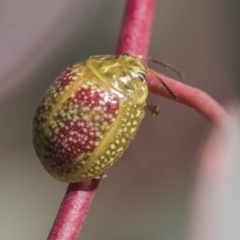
[147, 193]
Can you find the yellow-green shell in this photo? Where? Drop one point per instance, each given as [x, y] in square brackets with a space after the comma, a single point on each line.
[89, 116]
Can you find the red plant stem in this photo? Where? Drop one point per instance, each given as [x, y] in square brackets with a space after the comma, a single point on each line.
[190, 96]
[136, 29]
[73, 211]
[134, 39]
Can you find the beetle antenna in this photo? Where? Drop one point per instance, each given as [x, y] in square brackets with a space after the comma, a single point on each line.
[167, 88]
[168, 66]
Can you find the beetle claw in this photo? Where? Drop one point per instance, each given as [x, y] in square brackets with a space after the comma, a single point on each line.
[153, 109]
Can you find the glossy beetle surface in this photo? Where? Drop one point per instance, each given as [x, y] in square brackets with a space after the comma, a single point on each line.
[89, 116]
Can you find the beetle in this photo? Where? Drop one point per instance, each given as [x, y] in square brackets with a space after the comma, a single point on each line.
[89, 116]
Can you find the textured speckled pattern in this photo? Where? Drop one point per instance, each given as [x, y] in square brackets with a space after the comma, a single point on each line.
[89, 116]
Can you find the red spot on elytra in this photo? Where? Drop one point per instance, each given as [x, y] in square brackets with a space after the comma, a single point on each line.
[87, 97]
[112, 105]
[108, 102]
[65, 78]
[73, 139]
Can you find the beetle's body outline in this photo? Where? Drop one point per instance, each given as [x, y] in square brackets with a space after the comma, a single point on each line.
[101, 100]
